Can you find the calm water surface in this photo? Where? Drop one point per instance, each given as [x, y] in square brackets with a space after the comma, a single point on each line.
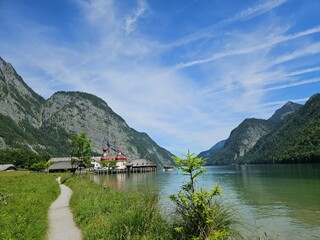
[280, 200]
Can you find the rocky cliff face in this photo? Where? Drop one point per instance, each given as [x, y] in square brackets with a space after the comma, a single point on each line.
[246, 135]
[241, 140]
[27, 120]
[17, 100]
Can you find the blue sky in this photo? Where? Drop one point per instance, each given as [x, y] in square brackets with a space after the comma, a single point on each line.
[186, 71]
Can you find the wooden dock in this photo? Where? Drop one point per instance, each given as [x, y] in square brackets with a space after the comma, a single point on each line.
[127, 170]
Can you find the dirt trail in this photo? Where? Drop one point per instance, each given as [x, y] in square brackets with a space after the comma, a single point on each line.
[61, 223]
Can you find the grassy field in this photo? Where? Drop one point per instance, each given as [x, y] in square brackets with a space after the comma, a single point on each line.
[112, 214]
[25, 215]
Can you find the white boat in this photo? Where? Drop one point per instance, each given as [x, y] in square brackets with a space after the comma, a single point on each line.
[168, 167]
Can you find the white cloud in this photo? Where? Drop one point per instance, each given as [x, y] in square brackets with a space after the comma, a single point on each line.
[269, 43]
[244, 15]
[142, 7]
[295, 84]
[303, 71]
[255, 10]
[96, 11]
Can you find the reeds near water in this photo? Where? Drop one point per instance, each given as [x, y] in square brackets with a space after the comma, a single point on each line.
[106, 213]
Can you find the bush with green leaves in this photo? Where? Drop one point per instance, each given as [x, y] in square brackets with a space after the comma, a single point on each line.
[199, 213]
[109, 164]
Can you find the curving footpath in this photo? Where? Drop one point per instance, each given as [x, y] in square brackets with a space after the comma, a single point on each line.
[61, 223]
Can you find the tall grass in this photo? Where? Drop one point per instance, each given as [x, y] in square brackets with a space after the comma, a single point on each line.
[101, 213]
[104, 213]
[25, 215]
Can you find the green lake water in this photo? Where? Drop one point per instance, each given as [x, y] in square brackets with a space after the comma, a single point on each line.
[282, 201]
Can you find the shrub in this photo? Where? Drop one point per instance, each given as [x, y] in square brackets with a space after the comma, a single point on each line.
[200, 214]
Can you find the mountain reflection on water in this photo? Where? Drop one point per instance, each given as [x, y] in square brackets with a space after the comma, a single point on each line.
[281, 200]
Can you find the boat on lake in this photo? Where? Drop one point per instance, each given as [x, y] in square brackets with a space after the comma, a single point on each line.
[168, 167]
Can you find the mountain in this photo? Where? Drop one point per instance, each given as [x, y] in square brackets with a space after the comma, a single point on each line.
[30, 122]
[244, 137]
[291, 135]
[241, 140]
[296, 140]
[18, 100]
[83, 112]
[212, 150]
[284, 111]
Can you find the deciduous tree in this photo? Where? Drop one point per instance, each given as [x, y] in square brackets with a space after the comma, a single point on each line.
[80, 151]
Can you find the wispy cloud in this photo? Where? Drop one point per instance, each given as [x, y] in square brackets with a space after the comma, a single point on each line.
[98, 10]
[281, 103]
[255, 10]
[295, 84]
[142, 7]
[303, 71]
[306, 51]
[244, 15]
[270, 43]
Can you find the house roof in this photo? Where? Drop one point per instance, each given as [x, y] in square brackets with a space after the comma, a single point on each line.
[61, 165]
[141, 163]
[5, 167]
[65, 159]
[60, 159]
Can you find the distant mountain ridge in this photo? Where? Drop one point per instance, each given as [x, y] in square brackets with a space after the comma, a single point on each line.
[212, 150]
[291, 134]
[29, 121]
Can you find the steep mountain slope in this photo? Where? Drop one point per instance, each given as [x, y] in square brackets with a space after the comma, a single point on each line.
[28, 121]
[241, 140]
[291, 135]
[20, 109]
[296, 140]
[284, 111]
[17, 100]
[83, 112]
[212, 150]
[244, 137]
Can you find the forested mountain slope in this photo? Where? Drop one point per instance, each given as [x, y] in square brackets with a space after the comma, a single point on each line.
[297, 140]
[241, 144]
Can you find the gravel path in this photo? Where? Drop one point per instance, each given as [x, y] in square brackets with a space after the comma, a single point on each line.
[61, 223]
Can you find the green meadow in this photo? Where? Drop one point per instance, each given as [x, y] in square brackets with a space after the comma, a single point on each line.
[25, 214]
